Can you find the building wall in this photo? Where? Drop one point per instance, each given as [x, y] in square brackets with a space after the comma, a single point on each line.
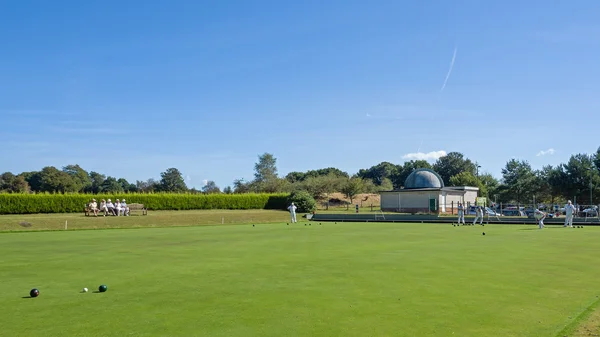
[408, 202]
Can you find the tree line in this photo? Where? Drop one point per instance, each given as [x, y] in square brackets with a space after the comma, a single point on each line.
[578, 178]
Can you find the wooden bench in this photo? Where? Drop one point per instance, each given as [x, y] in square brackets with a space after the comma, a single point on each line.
[138, 207]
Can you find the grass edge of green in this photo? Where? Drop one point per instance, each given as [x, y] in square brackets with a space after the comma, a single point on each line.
[582, 317]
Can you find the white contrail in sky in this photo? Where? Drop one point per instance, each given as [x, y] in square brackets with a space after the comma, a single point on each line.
[449, 70]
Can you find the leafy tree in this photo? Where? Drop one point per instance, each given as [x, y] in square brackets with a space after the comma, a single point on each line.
[228, 190]
[352, 187]
[34, 179]
[303, 200]
[597, 159]
[172, 181]
[467, 178]
[211, 188]
[452, 164]
[147, 186]
[10, 183]
[97, 180]
[265, 169]
[294, 177]
[80, 177]
[111, 185]
[379, 172]
[491, 185]
[328, 171]
[518, 182]
[241, 186]
[53, 180]
[580, 172]
[321, 186]
[386, 185]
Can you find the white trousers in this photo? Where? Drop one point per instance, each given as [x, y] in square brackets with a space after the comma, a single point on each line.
[569, 220]
[480, 219]
[293, 215]
[541, 223]
[461, 217]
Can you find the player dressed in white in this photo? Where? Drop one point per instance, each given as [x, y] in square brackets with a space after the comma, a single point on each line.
[478, 215]
[540, 216]
[292, 208]
[461, 214]
[569, 214]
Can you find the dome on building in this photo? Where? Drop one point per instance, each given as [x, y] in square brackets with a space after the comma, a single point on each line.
[423, 178]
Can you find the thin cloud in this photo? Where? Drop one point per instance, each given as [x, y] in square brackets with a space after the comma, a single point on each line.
[204, 182]
[434, 155]
[546, 152]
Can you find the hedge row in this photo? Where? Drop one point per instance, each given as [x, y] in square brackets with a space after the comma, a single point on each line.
[69, 203]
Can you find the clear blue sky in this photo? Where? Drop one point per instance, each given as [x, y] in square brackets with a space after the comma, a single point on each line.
[131, 88]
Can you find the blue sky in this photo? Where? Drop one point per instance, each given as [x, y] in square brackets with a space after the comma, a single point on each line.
[131, 88]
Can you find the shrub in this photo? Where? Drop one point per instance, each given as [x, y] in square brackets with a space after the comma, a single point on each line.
[69, 203]
[303, 200]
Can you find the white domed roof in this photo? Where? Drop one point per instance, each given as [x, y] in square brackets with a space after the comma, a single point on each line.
[423, 178]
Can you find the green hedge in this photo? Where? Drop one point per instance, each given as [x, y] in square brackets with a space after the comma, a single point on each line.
[69, 203]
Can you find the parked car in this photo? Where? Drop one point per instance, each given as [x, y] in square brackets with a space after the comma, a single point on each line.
[487, 211]
[590, 212]
[513, 212]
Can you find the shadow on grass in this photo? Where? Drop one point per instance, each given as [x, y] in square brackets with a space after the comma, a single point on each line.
[27, 297]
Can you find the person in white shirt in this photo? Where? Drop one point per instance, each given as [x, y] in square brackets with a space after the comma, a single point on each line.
[94, 207]
[540, 216]
[569, 214]
[103, 207]
[111, 207]
[461, 213]
[118, 207]
[292, 208]
[124, 208]
[478, 215]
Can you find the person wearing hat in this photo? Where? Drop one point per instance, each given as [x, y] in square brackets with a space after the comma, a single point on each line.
[111, 207]
[569, 214]
[94, 207]
[124, 208]
[103, 207]
[292, 208]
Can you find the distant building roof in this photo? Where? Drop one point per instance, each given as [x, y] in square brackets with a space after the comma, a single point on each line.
[423, 178]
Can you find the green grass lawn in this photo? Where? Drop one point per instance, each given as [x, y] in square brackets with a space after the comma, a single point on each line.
[344, 279]
[29, 222]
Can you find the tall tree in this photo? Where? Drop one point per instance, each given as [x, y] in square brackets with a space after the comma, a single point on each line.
[9, 183]
[172, 181]
[352, 187]
[265, 175]
[241, 186]
[111, 185]
[80, 177]
[518, 182]
[55, 181]
[581, 176]
[147, 186]
[491, 185]
[211, 188]
[266, 168]
[97, 180]
[466, 178]
[452, 164]
[34, 179]
[379, 172]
